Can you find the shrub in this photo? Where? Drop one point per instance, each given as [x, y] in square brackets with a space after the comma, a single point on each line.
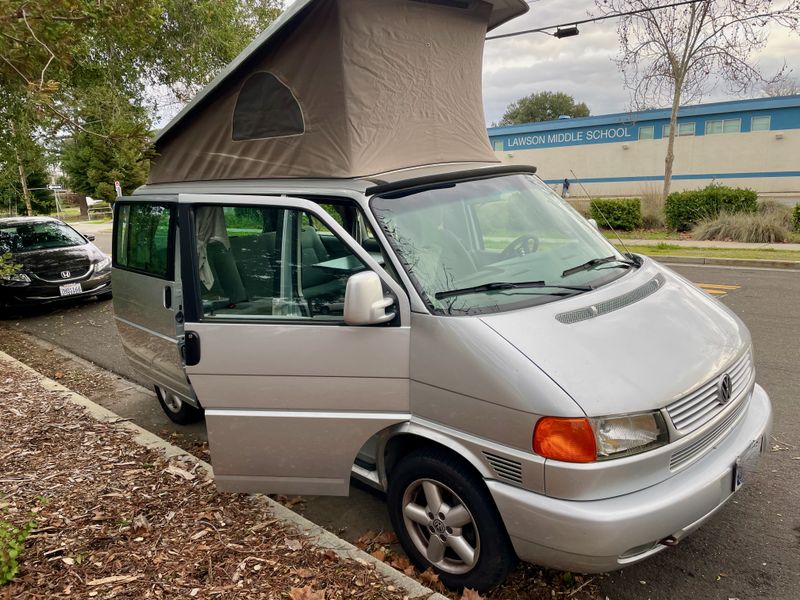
[685, 209]
[758, 228]
[12, 541]
[796, 217]
[623, 213]
[652, 207]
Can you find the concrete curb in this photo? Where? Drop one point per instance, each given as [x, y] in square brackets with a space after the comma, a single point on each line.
[321, 537]
[757, 263]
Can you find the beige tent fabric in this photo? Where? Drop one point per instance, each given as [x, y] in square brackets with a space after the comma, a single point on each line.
[382, 85]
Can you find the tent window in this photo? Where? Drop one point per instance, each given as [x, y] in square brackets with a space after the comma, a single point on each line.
[266, 108]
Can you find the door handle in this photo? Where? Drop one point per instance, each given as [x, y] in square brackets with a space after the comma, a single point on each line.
[191, 348]
[167, 296]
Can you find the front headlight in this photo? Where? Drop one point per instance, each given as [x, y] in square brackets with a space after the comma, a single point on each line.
[103, 264]
[15, 278]
[629, 434]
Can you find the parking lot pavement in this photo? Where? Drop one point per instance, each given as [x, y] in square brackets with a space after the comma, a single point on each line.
[750, 549]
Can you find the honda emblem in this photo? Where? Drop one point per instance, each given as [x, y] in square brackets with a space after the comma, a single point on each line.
[65, 274]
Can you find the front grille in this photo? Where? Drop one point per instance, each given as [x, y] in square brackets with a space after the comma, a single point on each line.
[607, 306]
[505, 468]
[686, 454]
[701, 406]
[76, 271]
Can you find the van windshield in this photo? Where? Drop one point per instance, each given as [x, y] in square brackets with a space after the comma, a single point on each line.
[495, 244]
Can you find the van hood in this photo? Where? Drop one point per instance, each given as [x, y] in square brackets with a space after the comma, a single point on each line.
[653, 350]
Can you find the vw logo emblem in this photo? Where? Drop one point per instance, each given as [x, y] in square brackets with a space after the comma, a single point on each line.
[724, 389]
[65, 274]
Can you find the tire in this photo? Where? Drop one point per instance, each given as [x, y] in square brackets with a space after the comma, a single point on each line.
[465, 501]
[176, 409]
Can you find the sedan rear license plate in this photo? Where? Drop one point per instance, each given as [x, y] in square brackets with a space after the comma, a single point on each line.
[745, 463]
[70, 289]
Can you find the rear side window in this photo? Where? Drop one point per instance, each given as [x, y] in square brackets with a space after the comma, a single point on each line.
[143, 239]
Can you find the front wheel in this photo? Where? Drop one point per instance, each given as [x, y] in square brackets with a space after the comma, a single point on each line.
[176, 409]
[446, 519]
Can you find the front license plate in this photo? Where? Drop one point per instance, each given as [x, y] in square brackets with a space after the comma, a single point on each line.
[745, 463]
[70, 289]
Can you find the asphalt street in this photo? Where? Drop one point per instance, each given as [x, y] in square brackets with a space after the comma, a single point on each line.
[750, 549]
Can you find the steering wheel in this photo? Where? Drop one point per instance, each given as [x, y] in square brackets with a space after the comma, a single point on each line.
[523, 245]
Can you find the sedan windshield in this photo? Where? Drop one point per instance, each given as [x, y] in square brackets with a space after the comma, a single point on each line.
[26, 237]
[495, 244]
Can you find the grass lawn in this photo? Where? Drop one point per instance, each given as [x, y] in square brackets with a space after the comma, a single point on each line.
[663, 234]
[667, 249]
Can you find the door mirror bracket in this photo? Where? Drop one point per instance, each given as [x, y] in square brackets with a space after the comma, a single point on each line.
[364, 302]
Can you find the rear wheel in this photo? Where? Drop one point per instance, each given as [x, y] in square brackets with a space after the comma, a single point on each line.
[176, 409]
[446, 519]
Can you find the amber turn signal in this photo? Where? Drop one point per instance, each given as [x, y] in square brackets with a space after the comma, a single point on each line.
[570, 440]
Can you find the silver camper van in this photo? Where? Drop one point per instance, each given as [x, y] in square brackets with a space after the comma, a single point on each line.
[347, 303]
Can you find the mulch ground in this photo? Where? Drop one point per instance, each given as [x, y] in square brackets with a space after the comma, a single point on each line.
[115, 520]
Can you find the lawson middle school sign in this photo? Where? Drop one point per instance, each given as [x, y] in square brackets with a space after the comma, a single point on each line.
[583, 135]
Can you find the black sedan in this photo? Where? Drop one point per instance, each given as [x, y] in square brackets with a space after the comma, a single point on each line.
[56, 261]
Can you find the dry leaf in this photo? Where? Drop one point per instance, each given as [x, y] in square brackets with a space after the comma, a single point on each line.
[380, 554]
[385, 538]
[471, 595]
[304, 573]
[293, 544]
[140, 522]
[173, 470]
[400, 562]
[430, 578]
[113, 579]
[365, 540]
[58, 375]
[306, 593]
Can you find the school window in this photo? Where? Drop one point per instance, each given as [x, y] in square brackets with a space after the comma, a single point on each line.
[142, 242]
[761, 123]
[270, 263]
[723, 126]
[647, 132]
[498, 145]
[683, 129]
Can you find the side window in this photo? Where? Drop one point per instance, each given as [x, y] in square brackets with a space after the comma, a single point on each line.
[270, 263]
[143, 238]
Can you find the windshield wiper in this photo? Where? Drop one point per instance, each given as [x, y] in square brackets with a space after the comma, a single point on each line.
[509, 285]
[590, 264]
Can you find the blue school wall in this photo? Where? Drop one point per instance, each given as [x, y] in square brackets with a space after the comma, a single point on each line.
[745, 140]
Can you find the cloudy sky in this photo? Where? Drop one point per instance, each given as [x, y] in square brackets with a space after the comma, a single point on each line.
[582, 66]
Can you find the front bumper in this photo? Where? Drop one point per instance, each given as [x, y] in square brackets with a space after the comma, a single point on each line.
[38, 292]
[603, 535]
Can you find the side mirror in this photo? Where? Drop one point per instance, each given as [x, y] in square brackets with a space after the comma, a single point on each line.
[364, 302]
[593, 223]
[89, 237]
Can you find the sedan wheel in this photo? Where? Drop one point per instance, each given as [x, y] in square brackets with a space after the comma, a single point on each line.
[445, 519]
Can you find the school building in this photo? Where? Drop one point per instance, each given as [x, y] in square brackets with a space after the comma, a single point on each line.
[744, 143]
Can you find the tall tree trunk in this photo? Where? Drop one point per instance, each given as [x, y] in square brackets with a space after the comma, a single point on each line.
[673, 122]
[23, 180]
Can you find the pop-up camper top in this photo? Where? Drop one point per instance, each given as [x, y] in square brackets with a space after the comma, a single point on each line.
[330, 268]
[342, 88]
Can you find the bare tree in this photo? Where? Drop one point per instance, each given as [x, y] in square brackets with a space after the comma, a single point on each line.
[677, 54]
[787, 87]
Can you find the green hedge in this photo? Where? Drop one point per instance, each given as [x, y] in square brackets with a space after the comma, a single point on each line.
[623, 213]
[796, 217]
[685, 209]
